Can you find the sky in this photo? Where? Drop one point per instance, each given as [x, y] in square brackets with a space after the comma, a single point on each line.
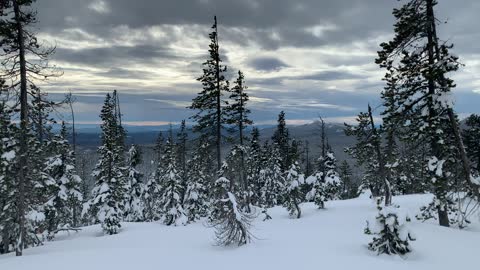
[306, 57]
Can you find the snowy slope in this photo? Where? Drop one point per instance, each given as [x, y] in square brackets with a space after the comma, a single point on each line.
[321, 239]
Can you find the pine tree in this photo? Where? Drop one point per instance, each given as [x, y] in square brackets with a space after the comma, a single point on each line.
[349, 187]
[254, 164]
[232, 225]
[420, 63]
[11, 216]
[151, 194]
[281, 140]
[150, 197]
[8, 153]
[271, 180]
[21, 50]
[211, 115]
[199, 179]
[182, 138]
[390, 230]
[368, 152]
[108, 196]
[332, 177]
[65, 197]
[134, 208]
[293, 195]
[471, 137]
[237, 112]
[159, 148]
[170, 197]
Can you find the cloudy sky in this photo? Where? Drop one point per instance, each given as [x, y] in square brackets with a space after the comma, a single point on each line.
[306, 57]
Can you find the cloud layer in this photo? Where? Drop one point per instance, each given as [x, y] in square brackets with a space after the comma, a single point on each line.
[306, 57]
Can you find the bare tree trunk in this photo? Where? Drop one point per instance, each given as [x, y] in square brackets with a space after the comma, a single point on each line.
[22, 174]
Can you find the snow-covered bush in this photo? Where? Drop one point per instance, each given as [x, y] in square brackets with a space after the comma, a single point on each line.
[390, 231]
[230, 222]
[293, 195]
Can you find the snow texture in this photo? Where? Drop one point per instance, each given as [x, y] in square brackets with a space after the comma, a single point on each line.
[330, 239]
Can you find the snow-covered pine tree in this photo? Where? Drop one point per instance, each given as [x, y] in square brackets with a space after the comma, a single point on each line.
[254, 164]
[232, 225]
[108, 196]
[368, 152]
[293, 194]
[12, 238]
[210, 104]
[332, 178]
[419, 62]
[159, 148]
[134, 208]
[281, 140]
[20, 50]
[325, 182]
[471, 138]
[349, 187]
[238, 120]
[182, 138]
[231, 170]
[390, 231]
[64, 204]
[271, 178]
[198, 180]
[150, 198]
[170, 197]
[8, 153]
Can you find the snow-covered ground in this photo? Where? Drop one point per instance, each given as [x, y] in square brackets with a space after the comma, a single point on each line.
[321, 239]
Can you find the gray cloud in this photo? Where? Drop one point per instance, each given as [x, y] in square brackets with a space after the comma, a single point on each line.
[328, 45]
[267, 63]
[114, 55]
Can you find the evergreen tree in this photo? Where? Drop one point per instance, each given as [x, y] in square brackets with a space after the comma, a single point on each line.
[349, 187]
[238, 118]
[65, 197]
[159, 148]
[308, 163]
[108, 196]
[419, 63]
[271, 181]
[170, 197]
[134, 209]
[281, 140]
[8, 153]
[10, 215]
[182, 138]
[150, 198]
[332, 177]
[24, 62]
[368, 152]
[390, 230]
[211, 115]
[471, 137]
[293, 195]
[199, 177]
[254, 164]
[232, 225]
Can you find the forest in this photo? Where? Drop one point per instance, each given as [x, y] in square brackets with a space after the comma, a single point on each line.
[214, 171]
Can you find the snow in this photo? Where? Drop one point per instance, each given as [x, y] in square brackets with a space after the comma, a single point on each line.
[321, 239]
[9, 156]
